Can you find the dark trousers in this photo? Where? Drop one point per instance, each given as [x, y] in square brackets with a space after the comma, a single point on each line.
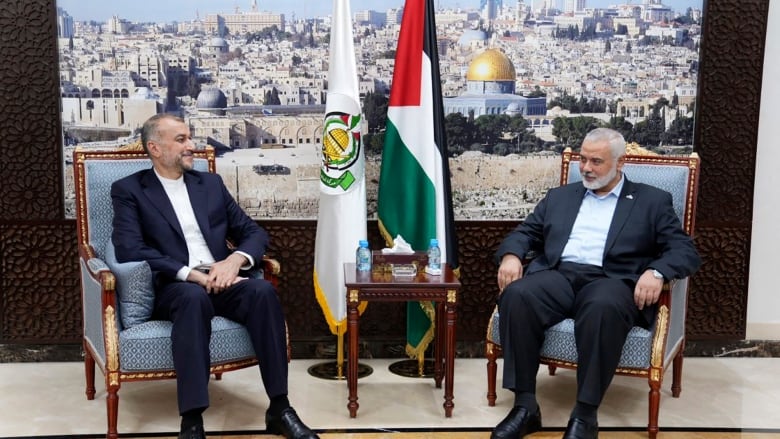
[251, 302]
[603, 310]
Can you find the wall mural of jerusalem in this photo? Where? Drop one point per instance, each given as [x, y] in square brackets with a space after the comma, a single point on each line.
[522, 80]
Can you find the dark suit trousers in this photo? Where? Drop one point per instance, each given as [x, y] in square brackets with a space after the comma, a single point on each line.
[253, 303]
[603, 310]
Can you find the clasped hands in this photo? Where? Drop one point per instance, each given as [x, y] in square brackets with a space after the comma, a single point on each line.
[221, 275]
[646, 291]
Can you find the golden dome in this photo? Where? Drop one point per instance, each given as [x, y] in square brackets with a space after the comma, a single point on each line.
[491, 65]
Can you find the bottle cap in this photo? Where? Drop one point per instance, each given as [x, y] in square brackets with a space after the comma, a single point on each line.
[434, 241]
[363, 243]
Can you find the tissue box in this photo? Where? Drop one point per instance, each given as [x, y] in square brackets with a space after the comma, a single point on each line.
[384, 261]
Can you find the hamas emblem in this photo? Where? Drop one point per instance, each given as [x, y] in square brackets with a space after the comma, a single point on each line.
[340, 150]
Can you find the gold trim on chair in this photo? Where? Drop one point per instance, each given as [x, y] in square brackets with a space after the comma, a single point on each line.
[141, 376]
[134, 146]
[276, 267]
[633, 148]
[112, 344]
[659, 337]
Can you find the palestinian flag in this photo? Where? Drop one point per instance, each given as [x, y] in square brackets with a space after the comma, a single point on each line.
[415, 199]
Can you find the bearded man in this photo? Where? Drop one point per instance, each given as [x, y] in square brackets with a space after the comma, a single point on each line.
[604, 248]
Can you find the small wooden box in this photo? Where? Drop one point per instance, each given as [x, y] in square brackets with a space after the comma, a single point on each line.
[383, 262]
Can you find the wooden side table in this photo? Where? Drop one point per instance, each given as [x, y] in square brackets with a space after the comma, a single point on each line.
[384, 287]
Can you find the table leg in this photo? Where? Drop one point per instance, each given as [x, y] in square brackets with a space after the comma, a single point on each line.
[352, 362]
[449, 369]
[438, 373]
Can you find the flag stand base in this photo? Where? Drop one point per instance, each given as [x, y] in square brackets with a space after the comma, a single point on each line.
[411, 368]
[329, 370]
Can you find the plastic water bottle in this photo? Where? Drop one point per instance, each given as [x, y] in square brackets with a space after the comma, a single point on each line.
[363, 256]
[434, 256]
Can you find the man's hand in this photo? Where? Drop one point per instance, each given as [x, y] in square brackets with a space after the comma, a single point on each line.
[510, 270]
[198, 277]
[221, 275]
[647, 289]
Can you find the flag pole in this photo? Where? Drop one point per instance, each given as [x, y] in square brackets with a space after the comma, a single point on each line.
[420, 368]
[340, 356]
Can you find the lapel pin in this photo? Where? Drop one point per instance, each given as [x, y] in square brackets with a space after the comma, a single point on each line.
[630, 197]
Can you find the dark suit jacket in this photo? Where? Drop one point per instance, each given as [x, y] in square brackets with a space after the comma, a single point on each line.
[146, 227]
[645, 233]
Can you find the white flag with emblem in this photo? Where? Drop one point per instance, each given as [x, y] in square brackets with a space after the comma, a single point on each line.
[341, 222]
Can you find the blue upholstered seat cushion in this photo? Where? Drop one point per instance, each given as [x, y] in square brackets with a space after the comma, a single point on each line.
[147, 346]
[134, 288]
[559, 343]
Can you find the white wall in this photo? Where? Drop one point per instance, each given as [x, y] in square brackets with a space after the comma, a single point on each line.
[763, 311]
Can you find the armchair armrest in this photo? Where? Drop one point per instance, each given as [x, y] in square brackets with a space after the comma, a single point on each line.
[96, 267]
[678, 307]
[270, 269]
[98, 295]
[670, 323]
[271, 266]
[666, 293]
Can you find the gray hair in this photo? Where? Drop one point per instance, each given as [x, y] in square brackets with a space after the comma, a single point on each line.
[617, 144]
[149, 130]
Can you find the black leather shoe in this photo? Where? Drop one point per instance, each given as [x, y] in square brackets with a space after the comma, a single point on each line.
[194, 432]
[289, 425]
[518, 423]
[579, 429]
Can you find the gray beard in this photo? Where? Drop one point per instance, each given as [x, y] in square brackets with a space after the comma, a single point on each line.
[599, 182]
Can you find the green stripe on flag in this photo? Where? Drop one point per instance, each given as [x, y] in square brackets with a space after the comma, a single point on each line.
[407, 197]
[407, 207]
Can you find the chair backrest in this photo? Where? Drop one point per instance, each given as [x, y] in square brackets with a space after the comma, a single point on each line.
[678, 175]
[94, 172]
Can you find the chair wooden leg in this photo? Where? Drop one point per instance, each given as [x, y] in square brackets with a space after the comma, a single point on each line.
[89, 374]
[677, 365]
[112, 410]
[218, 376]
[492, 370]
[654, 402]
[551, 368]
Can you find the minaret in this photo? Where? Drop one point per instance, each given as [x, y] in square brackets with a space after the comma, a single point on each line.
[254, 5]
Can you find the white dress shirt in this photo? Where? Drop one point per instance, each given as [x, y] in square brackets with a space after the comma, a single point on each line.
[197, 249]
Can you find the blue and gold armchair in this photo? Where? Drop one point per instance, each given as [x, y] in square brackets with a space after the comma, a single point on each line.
[647, 352]
[117, 298]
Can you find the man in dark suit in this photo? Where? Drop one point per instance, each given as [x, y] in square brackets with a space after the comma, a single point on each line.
[604, 248]
[179, 221]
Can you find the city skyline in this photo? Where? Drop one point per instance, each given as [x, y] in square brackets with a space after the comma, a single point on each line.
[101, 109]
[185, 10]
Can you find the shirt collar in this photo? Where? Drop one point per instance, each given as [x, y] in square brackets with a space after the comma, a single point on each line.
[168, 180]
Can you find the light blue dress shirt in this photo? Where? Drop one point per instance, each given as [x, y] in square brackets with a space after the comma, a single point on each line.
[589, 233]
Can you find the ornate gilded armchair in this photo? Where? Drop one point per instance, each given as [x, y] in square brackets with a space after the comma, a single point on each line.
[117, 298]
[647, 352]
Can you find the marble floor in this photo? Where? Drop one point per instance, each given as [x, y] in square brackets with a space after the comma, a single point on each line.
[47, 399]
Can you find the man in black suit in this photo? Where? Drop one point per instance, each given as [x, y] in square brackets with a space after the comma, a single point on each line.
[604, 248]
[179, 220]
